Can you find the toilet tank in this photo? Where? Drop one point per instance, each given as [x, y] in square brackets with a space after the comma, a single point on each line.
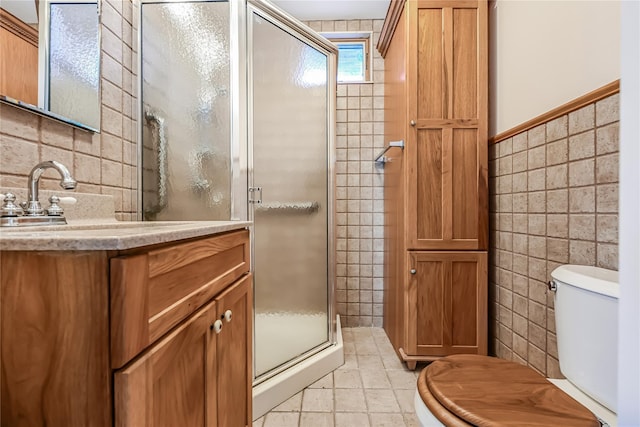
[586, 312]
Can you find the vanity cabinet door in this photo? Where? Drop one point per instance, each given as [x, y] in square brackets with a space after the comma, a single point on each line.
[447, 310]
[235, 309]
[174, 382]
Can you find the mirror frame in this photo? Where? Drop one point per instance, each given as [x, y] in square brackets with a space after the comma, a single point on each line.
[43, 69]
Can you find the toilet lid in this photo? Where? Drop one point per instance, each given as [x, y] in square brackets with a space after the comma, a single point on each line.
[487, 391]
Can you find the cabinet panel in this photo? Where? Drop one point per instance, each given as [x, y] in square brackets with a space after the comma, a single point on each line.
[173, 383]
[464, 184]
[465, 64]
[431, 69]
[234, 355]
[444, 190]
[449, 290]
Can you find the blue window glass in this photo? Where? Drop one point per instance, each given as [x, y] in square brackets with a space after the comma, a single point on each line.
[352, 57]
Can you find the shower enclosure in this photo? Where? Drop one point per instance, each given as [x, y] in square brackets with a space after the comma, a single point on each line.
[237, 102]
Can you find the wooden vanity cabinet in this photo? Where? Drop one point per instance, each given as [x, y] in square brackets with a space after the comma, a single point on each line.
[197, 376]
[436, 188]
[128, 338]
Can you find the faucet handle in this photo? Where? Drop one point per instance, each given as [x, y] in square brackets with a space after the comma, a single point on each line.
[54, 209]
[9, 208]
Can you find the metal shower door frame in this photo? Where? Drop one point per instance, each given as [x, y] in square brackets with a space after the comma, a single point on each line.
[296, 29]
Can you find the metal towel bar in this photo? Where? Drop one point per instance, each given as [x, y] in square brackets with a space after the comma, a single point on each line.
[381, 158]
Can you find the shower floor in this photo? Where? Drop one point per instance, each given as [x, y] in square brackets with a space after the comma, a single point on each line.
[280, 337]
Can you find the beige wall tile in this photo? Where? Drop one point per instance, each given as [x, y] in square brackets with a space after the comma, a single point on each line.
[557, 176]
[582, 173]
[607, 198]
[17, 156]
[582, 199]
[557, 152]
[582, 227]
[607, 139]
[607, 226]
[607, 169]
[582, 145]
[537, 136]
[582, 119]
[55, 133]
[557, 129]
[536, 157]
[554, 222]
[608, 110]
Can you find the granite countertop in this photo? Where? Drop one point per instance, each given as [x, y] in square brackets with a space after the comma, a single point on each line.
[108, 235]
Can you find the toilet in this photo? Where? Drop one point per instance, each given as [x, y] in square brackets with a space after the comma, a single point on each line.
[472, 390]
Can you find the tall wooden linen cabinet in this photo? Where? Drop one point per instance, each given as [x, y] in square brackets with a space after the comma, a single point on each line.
[436, 190]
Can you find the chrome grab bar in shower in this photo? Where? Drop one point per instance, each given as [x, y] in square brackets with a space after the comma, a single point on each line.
[303, 207]
[152, 116]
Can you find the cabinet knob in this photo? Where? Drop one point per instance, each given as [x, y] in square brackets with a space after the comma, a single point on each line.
[412, 122]
[413, 271]
[216, 326]
[227, 315]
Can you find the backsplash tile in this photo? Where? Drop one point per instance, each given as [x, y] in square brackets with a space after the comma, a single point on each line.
[553, 200]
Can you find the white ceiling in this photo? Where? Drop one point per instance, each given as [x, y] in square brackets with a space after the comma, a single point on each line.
[22, 9]
[316, 10]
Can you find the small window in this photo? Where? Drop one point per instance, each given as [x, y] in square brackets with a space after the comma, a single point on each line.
[353, 56]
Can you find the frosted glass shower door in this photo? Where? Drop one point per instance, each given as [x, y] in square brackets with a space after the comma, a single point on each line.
[289, 111]
[186, 110]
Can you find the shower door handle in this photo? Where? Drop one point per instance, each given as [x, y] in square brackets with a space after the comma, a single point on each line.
[154, 117]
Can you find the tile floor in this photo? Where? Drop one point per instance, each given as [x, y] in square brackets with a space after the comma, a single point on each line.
[371, 389]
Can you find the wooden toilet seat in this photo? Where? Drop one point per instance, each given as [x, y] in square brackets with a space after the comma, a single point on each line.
[464, 390]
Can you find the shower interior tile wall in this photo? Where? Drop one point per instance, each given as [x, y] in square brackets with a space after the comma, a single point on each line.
[359, 189]
[101, 163]
[554, 200]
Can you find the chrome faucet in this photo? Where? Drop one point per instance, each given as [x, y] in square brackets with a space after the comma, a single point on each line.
[33, 207]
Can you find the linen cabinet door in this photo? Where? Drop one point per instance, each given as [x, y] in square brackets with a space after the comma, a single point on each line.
[235, 310]
[447, 303]
[172, 383]
[447, 139]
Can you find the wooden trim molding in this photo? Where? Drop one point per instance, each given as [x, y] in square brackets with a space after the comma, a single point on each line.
[591, 97]
[19, 28]
[389, 27]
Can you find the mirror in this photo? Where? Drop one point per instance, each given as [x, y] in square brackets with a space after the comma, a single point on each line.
[50, 59]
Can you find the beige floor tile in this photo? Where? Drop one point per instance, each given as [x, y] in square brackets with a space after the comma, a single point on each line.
[350, 400]
[281, 419]
[411, 420]
[402, 379]
[370, 362]
[324, 382]
[381, 400]
[367, 347]
[317, 400]
[316, 419]
[258, 422]
[392, 362]
[350, 362]
[349, 348]
[292, 404]
[352, 419]
[347, 378]
[374, 378]
[405, 399]
[386, 420]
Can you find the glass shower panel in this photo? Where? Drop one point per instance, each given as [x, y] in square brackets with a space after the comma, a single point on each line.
[186, 111]
[289, 91]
